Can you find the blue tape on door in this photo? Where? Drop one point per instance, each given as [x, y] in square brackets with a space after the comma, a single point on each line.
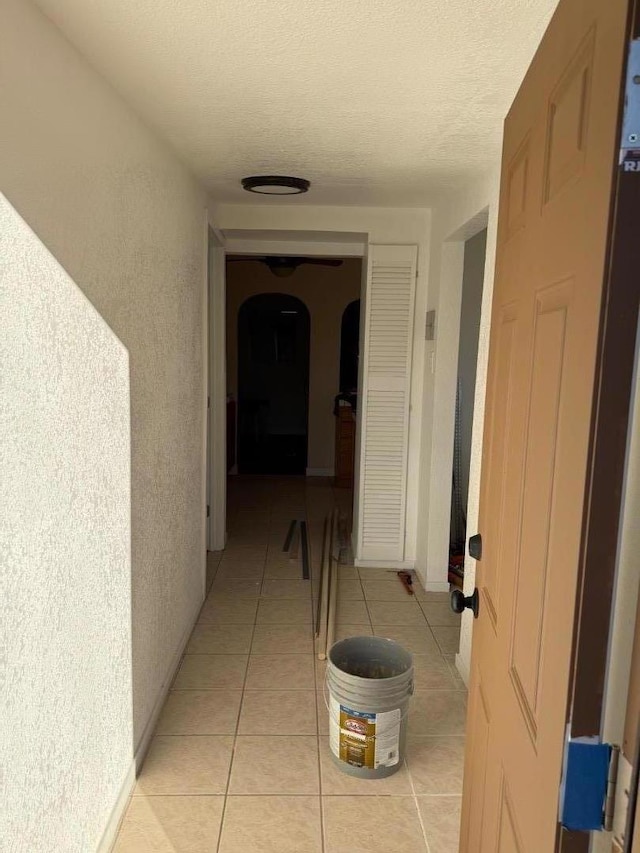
[585, 785]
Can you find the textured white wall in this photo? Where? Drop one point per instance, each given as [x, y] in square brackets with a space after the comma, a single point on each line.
[65, 632]
[126, 220]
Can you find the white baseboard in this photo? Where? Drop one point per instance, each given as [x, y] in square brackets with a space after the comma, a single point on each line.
[145, 739]
[385, 564]
[320, 472]
[122, 801]
[118, 810]
[463, 669]
[437, 586]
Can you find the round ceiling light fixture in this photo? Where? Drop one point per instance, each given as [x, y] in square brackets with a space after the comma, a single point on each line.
[275, 185]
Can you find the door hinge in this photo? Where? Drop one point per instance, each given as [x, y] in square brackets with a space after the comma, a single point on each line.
[588, 789]
[612, 781]
[630, 137]
[208, 510]
[208, 402]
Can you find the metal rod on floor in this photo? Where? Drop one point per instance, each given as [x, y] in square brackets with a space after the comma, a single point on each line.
[304, 544]
[294, 545]
[333, 587]
[289, 536]
[318, 614]
[321, 645]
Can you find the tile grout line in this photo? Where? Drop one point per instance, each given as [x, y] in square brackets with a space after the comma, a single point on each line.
[315, 679]
[315, 685]
[406, 763]
[417, 807]
[366, 602]
[235, 736]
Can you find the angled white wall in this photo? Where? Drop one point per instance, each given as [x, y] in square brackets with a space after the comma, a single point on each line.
[65, 710]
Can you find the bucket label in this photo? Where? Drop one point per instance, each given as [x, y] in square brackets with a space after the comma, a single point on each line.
[362, 739]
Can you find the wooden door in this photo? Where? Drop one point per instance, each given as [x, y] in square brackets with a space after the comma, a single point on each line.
[559, 162]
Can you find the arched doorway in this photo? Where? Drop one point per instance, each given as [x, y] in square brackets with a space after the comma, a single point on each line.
[273, 385]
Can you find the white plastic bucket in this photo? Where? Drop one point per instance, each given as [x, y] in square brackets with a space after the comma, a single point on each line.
[370, 683]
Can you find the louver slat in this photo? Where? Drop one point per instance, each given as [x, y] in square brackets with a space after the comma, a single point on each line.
[385, 426]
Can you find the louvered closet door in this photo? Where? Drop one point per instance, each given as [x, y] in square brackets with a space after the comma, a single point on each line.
[389, 304]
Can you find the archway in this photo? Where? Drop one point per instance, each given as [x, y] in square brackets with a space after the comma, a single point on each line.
[273, 384]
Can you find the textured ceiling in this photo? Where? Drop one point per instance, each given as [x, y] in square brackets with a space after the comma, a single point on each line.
[377, 102]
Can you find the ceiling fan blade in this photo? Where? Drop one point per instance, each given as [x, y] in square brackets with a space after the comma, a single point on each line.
[324, 262]
[286, 262]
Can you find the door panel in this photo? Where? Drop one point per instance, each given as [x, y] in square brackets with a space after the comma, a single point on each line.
[476, 760]
[508, 841]
[385, 395]
[553, 230]
[541, 460]
[567, 122]
[499, 408]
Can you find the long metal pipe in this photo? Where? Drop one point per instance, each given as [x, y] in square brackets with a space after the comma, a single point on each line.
[321, 627]
[333, 585]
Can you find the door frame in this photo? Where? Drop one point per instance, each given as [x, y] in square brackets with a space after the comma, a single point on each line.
[216, 389]
[613, 397]
[466, 219]
[355, 247]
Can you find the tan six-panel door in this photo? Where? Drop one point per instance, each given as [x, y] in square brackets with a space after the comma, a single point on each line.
[558, 165]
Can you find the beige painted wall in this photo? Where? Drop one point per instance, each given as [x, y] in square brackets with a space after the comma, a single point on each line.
[326, 292]
[125, 220]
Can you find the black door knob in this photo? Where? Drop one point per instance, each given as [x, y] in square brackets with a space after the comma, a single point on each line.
[459, 602]
[475, 547]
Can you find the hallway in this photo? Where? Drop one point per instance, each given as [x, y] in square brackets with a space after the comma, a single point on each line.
[240, 758]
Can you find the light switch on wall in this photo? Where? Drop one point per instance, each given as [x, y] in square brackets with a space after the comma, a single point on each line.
[430, 326]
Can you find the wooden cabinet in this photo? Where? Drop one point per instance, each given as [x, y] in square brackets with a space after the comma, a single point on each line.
[345, 446]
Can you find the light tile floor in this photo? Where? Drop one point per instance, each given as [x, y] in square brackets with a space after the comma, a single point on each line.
[240, 757]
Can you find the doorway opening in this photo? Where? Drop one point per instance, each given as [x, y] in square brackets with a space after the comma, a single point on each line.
[346, 402]
[273, 384]
[283, 318]
[470, 310]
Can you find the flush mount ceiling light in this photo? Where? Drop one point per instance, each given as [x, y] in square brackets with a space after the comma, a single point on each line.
[275, 185]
